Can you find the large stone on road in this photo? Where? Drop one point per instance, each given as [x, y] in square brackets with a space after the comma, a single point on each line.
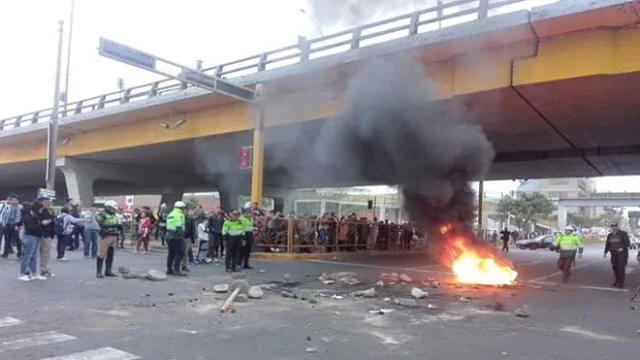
[156, 275]
[255, 292]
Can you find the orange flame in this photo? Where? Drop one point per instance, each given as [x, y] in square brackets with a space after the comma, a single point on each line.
[476, 265]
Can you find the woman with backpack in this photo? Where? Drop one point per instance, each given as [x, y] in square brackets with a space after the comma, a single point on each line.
[64, 228]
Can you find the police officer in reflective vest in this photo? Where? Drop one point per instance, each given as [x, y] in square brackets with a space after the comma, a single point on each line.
[568, 245]
[176, 222]
[110, 229]
[233, 234]
[247, 242]
[618, 245]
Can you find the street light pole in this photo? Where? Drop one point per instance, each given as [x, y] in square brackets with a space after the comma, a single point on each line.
[313, 20]
[66, 79]
[52, 134]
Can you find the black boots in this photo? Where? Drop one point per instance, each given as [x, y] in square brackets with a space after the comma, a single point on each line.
[109, 263]
[99, 262]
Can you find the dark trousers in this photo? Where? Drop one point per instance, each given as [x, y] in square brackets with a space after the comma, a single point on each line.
[175, 255]
[245, 251]
[11, 236]
[215, 243]
[74, 242]
[618, 265]
[63, 242]
[231, 258]
[566, 259]
[505, 245]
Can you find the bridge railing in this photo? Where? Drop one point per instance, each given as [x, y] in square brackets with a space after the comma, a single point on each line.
[433, 18]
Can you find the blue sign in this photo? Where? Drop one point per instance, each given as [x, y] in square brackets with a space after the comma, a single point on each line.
[217, 85]
[117, 51]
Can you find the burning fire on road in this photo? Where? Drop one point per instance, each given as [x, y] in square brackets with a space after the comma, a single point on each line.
[473, 264]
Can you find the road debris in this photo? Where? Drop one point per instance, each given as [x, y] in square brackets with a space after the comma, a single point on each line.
[498, 306]
[242, 298]
[418, 293]
[405, 278]
[348, 278]
[288, 294]
[381, 311]
[380, 283]
[221, 288]
[522, 312]
[156, 275]
[286, 278]
[369, 293]
[337, 297]
[255, 292]
[410, 303]
[312, 349]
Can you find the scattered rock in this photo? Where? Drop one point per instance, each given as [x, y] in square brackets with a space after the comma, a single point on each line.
[387, 299]
[380, 283]
[308, 338]
[405, 278]
[431, 306]
[288, 294]
[156, 275]
[242, 298]
[634, 307]
[170, 294]
[267, 286]
[410, 303]
[255, 292]
[262, 271]
[337, 297]
[303, 294]
[465, 299]
[504, 353]
[336, 313]
[522, 312]
[498, 306]
[418, 293]
[369, 293]
[145, 295]
[328, 282]
[313, 301]
[221, 288]
[436, 284]
[232, 310]
[123, 270]
[381, 311]
[389, 277]
[312, 349]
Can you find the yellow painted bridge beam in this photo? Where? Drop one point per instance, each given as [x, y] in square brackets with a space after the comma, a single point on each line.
[222, 119]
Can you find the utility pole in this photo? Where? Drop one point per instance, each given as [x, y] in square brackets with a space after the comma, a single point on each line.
[52, 134]
[66, 80]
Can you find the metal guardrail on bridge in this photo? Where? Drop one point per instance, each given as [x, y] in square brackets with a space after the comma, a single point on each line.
[418, 22]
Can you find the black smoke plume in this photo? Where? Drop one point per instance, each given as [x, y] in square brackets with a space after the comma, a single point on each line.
[391, 133]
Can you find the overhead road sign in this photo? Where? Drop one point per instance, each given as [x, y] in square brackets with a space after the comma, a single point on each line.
[149, 62]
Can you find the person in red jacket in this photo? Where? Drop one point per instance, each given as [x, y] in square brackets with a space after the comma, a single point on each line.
[144, 231]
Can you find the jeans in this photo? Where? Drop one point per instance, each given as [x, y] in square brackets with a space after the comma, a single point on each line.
[63, 241]
[30, 250]
[90, 242]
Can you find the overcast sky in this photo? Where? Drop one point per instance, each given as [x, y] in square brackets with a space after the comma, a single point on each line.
[184, 31]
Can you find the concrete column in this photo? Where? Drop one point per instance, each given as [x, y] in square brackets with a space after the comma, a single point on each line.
[171, 198]
[383, 213]
[79, 181]
[562, 217]
[323, 207]
[257, 165]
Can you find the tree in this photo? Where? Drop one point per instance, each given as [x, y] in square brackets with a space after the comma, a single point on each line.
[583, 220]
[192, 203]
[526, 208]
[504, 209]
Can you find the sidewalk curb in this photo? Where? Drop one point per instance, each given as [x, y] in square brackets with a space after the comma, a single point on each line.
[342, 256]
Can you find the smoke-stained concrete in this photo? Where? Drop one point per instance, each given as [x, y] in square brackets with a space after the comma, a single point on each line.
[390, 133]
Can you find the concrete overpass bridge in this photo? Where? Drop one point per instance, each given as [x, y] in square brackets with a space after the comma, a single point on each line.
[554, 89]
[596, 200]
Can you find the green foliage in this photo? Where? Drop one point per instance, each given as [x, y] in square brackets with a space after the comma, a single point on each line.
[192, 203]
[526, 208]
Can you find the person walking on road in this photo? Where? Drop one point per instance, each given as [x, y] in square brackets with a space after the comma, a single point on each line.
[176, 222]
[618, 245]
[110, 228]
[10, 221]
[568, 245]
[505, 234]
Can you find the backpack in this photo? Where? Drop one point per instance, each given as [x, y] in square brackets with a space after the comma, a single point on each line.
[59, 225]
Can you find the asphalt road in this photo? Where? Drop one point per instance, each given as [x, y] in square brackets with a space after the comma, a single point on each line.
[76, 316]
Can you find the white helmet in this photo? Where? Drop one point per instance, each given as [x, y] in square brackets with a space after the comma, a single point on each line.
[111, 204]
[568, 228]
[179, 205]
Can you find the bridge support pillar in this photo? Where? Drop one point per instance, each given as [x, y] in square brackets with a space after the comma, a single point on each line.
[257, 165]
[562, 217]
[79, 181]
